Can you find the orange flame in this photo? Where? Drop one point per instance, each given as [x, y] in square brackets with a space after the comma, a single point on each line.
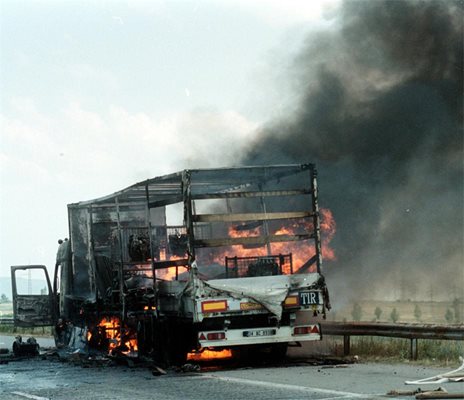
[169, 274]
[111, 329]
[301, 251]
[209, 355]
[328, 229]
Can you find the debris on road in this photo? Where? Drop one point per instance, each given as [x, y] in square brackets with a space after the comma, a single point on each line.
[189, 367]
[157, 371]
[453, 376]
[414, 392]
[403, 392]
[439, 395]
[30, 348]
[335, 366]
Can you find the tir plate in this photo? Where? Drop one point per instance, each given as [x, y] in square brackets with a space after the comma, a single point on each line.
[260, 332]
[308, 298]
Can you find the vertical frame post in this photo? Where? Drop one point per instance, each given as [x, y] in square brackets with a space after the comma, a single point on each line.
[121, 265]
[150, 234]
[316, 219]
[265, 222]
[91, 253]
[188, 217]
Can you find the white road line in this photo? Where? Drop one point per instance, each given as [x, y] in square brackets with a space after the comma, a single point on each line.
[30, 396]
[286, 386]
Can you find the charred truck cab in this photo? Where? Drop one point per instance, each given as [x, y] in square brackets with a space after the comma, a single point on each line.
[242, 269]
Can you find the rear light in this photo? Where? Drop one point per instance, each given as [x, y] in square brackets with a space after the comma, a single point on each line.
[216, 336]
[291, 301]
[213, 306]
[301, 330]
[305, 330]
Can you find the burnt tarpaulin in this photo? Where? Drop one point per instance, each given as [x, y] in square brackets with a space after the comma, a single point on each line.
[270, 291]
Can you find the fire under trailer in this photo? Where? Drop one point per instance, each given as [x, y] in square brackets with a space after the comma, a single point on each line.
[240, 270]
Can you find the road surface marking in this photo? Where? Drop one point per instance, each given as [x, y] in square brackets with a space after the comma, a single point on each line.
[30, 396]
[286, 386]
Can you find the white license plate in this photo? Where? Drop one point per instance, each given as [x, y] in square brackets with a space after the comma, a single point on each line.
[260, 332]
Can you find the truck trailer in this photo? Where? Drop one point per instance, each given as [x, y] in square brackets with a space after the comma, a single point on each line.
[202, 259]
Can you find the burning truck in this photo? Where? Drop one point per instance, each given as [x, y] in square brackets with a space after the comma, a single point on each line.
[240, 270]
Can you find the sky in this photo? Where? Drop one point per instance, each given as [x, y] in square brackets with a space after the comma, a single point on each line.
[95, 96]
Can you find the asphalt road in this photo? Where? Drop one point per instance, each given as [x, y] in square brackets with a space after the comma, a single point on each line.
[40, 379]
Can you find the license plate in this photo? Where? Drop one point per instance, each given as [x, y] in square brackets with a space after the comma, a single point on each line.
[308, 298]
[250, 306]
[260, 332]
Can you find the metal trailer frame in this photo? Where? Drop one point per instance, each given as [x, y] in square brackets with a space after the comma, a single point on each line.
[138, 205]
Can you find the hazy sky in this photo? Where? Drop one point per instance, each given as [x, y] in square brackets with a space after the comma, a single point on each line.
[95, 97]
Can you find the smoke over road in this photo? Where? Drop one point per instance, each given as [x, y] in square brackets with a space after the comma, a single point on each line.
[380, 111]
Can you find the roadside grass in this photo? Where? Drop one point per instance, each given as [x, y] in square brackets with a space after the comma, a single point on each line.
[423, 312]
[6, 310]
[397, 349]
[43, 331]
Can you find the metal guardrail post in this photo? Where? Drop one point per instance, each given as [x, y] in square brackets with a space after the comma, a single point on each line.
[414, 352]
[346, 345]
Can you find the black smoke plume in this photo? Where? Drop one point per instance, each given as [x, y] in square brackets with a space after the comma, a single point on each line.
[380, 111]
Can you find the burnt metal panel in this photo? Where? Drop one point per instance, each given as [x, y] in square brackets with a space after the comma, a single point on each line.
[231, 217]
[316, 219]
[253, 240]
[248, 193]
[188, 212]
[81, 246]
[32, 310]
[168, 189]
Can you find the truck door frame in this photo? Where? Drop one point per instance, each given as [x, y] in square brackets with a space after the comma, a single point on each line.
[43, 305]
